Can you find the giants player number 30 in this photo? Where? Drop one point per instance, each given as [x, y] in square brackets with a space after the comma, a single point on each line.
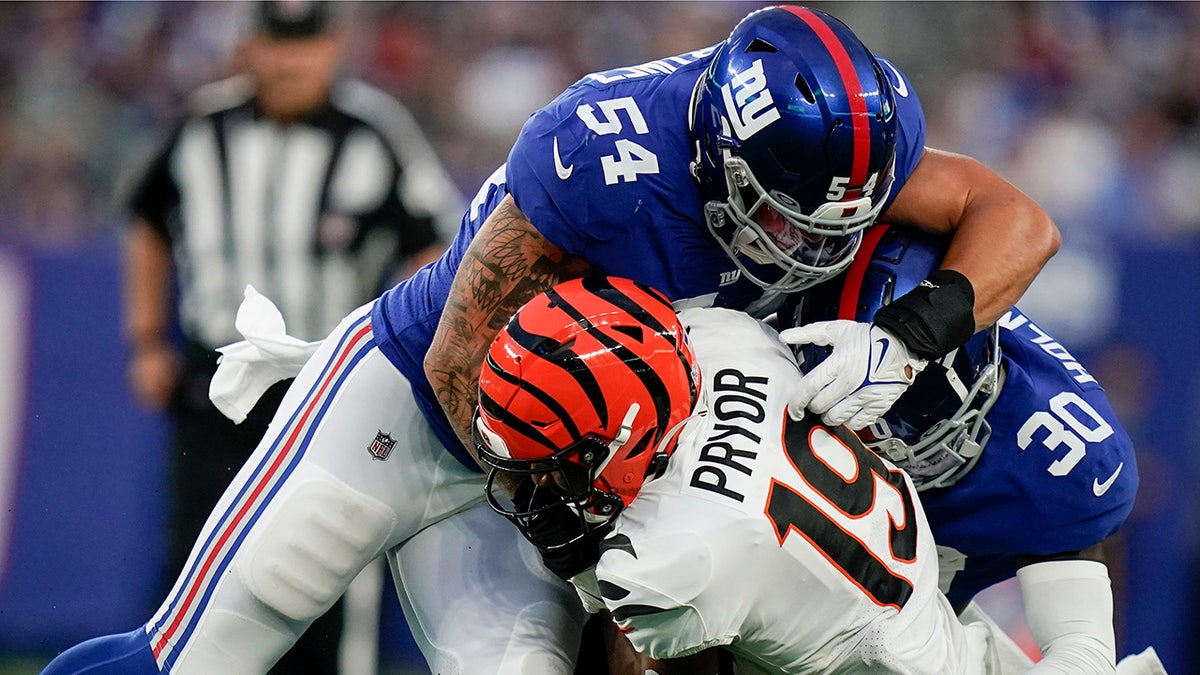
[1007, 430]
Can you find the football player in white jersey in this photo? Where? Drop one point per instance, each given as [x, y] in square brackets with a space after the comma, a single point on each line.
[788, 542]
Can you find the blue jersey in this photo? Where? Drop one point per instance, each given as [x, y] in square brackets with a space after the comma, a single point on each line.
[604, 172]
[1058, 474]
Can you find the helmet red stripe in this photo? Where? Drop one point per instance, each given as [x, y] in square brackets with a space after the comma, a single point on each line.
[848, 306]
[854, 92]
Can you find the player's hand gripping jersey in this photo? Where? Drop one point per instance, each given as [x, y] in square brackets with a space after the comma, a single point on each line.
[792, 543]
[1039, 443]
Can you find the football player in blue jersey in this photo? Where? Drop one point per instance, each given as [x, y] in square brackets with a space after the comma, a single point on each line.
[731, 176]
[728, 176]
[1022, 464]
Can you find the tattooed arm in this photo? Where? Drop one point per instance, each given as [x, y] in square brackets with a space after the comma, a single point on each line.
[507, 264]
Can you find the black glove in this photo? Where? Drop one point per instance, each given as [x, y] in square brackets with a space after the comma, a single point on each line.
[571, 559]
[556, 524]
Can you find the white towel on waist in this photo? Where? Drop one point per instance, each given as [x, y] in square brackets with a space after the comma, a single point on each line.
[1145, 662]
[268, 354]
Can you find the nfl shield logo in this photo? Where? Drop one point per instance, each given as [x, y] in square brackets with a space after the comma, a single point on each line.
[382, 446]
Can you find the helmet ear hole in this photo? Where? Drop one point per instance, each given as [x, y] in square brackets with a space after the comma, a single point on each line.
[805, 90]
[760, 45]
[635, 332]
[545, 347]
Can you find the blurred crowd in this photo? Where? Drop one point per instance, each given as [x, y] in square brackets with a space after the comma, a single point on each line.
[1093, 108]
[1090, 107]
[88, 88]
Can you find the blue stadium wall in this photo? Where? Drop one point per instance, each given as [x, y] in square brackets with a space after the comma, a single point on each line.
[82, 491]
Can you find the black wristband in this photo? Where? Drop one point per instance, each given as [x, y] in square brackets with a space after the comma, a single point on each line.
[933, 318]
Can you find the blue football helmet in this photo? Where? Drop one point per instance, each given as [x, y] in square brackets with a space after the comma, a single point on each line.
[936, 430]
[795, 129]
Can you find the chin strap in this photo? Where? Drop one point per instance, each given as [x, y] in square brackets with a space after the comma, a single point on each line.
[658, 464]
[694, 165]
[621, 438]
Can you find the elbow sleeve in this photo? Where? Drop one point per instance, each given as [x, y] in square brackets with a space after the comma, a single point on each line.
[1069, 608]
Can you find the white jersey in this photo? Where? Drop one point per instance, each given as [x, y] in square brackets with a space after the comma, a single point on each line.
[789, 542]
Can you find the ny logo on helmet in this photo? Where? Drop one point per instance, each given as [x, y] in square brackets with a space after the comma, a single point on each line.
[750, 107]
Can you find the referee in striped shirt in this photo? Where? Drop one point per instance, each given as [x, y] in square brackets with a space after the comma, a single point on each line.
[315, 188]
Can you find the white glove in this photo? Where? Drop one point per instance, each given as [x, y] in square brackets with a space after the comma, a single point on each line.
[868, 369]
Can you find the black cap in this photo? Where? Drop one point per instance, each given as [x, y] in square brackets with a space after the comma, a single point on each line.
[293, 18]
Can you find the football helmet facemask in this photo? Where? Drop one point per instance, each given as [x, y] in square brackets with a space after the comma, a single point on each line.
[580, 398]
[795, 130]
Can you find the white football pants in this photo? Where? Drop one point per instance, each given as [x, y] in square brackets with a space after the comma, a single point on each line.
[350, 471]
